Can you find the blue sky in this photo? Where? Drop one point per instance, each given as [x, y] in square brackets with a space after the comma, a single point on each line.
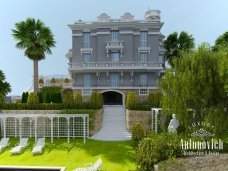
[204, 19]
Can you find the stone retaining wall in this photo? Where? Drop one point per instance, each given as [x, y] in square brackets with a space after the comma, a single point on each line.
[213, 162]
[133, 116]
[97, 122]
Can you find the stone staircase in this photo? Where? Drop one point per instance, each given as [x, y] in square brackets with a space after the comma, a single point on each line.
[113, 125]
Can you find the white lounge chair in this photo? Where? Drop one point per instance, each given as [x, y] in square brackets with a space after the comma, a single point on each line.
[90, 166]
[22, 144]
[4, 143]
[39, 146]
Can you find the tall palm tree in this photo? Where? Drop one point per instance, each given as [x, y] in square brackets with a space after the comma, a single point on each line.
[175, 43]
[5, 87]
[36, 39]
[221, 42]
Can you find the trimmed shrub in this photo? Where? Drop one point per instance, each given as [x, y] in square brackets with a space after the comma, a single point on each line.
[156, 148]
[24, 97]
[47, 98]
[67, 90]
[33, 100]
[138, 133]
[131, 100]
[68, 100]
[40, 96]
[51, 89]
[145, 155]
[56, 97]
[154, 99]
[96, 100]
[1, 98]
[78, 98]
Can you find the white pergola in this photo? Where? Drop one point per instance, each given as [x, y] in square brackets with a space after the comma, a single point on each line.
[45, 125]
[155, 113]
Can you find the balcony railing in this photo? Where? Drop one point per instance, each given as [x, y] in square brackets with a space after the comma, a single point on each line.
[144, 50]
[120, 85]
[114, 45]
[86, 50]
[115, 66]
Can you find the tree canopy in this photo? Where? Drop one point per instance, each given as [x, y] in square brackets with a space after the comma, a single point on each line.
[175, 43]
[197, 82]
[36, 39]
[5, 87]
[221, 42]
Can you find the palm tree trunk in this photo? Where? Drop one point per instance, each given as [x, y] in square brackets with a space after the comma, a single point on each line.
[35, 75]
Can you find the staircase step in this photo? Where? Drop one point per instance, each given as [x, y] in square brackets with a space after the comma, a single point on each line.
[113, 125]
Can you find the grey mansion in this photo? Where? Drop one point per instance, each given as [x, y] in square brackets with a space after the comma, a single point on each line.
[113, 56]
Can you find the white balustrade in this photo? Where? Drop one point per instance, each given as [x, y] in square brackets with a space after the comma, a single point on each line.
[114, 65]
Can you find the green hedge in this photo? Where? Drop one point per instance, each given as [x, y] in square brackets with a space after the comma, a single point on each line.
[144, 105]
[43, 106]
[25, 106]
[52, 89]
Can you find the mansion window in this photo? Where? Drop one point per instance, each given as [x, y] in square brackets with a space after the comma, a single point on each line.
[86, 40]
[115, 79]
[143, 85]
[115, 56]
[161, 59]
[87, 83]
[86, 58]
[143, 57]
[143, 39]
[143, 80]
[143, 91]
[114, 35]
[87, 80]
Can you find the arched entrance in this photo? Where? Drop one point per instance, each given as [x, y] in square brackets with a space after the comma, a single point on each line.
[113, 97]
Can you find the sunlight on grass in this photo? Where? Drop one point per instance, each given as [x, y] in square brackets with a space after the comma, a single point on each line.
[116, 156]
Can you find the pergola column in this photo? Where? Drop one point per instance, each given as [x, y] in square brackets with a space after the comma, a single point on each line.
[35, 129]
[152, 126]
[20, 127]
[156, 121]
[84, 126]
[73, 128]
[44, 127]
[51, 129]
[58, 127]
[30, 126]
[4, 127]
[68, 129]
[87, 118]
[15, 127]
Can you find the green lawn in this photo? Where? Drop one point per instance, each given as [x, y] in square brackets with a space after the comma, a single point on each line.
[116, 156]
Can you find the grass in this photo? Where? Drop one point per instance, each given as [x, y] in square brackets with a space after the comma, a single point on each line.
[116, 156]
